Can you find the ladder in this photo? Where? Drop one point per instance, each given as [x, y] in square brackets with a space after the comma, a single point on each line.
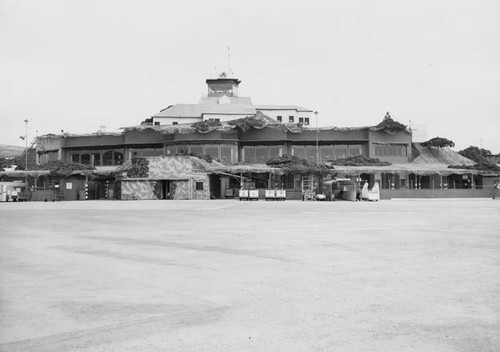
[308, 188]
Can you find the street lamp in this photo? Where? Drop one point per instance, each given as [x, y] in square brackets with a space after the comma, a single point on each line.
[317, 137]
[26, 161]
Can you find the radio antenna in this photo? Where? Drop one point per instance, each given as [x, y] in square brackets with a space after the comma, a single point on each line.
[229, 61]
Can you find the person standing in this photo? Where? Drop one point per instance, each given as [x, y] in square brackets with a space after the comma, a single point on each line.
[496, 186]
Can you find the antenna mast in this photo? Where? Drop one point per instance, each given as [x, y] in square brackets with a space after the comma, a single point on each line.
[229, 61]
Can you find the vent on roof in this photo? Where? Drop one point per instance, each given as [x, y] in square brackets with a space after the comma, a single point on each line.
[224, 100]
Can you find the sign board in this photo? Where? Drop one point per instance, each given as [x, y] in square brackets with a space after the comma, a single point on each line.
[69, 185]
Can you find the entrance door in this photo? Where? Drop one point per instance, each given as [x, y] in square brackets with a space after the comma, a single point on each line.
[215, 188]
[165, 189]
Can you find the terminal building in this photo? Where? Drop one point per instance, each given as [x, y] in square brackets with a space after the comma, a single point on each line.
[241, 137]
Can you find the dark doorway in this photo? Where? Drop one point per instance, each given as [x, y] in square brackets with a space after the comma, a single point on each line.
[370, 178]
[215, 189]
[96, 190]
[165, 189]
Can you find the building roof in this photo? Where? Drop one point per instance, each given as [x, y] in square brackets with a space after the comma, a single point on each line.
[433, 155]
[282, 107]
[210, 105]
[411, 168]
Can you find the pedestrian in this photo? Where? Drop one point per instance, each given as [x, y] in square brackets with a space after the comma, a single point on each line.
[496, 186]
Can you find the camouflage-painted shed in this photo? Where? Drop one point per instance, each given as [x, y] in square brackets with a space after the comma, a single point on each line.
[164, 177]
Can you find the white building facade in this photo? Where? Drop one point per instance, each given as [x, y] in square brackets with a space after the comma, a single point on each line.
[222, 103]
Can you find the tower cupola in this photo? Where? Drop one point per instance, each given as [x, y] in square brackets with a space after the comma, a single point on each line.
[223, 85]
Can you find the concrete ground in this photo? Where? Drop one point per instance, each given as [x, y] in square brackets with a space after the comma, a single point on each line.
[409, 275]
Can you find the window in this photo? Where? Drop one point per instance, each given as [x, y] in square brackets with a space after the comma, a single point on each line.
[175, 123]
[301, 120]
[107, 158]
[274, 151]
[340, 151]
[299, 151]
[355, 149]
[311, 153]
[152, 151]
[85, 159]
[199, 186]
[261, 153]
[97, 159]
[390, 150]
[112, 157]
[226, 153]
[306, 121]
[75, 158]
[197, 149]
[326, 152]
[183, 149]
[118, 158]
[279, 118]
[290, 118]
[213, 151]
[249, 154]
[157, 123]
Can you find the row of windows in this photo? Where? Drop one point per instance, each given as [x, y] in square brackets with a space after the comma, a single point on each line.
[326, 152]
[260, 153]
[223, 152]
[109, 157]
[302, 120]
[143, 152]
[157, 123]
[390, 150]
[229, 153]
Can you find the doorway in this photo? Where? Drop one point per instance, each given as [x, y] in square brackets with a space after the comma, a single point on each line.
[215, 188]
[165, 189]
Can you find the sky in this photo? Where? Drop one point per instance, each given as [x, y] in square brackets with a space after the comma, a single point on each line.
[74, 66]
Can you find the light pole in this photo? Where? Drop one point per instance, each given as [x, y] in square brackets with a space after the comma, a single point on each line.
[317, 138]
[26, 161]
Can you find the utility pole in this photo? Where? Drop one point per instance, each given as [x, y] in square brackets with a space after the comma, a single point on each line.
[26, 161]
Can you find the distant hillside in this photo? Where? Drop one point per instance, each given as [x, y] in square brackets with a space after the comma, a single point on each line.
[10, 151]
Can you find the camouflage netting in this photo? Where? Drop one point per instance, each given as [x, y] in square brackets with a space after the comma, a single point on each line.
[63, 169]
[206, 126]
[359, 160]
[258, 121]
[139, 168]
[438, 142]
[389, 125]
[292, 164]
[479, 166]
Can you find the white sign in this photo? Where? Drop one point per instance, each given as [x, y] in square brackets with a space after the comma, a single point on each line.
[69, 185]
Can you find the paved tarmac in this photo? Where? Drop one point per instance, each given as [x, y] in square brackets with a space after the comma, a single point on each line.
[406, 275]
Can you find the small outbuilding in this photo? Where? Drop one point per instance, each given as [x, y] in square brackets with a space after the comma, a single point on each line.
[164, 177]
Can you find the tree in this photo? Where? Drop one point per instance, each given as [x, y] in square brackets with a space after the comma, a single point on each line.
[439, 142]
[476, 154]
